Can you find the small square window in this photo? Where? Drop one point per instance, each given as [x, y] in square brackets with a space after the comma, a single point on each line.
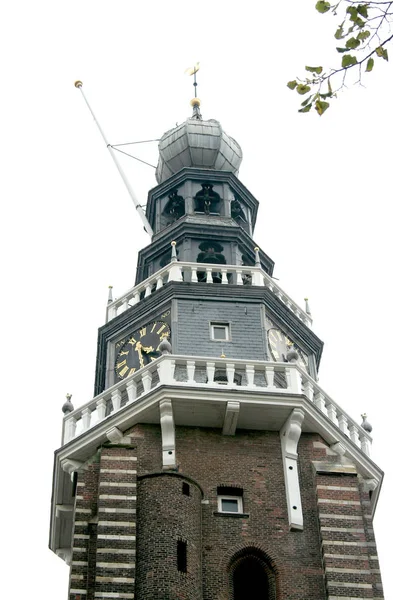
[230, 504]
[219, 332]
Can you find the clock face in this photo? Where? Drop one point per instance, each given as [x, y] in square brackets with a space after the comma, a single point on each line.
[140, 348]
[280, 344]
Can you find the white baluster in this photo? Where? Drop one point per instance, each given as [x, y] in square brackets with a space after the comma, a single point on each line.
[124, 305]
[332, 413]
[148, 290]
[239, 278]
[137, 297]
[353, 434]
[116, 400]
[308, 389]
[230, 368]
[190, 371]
[112, 311]
[146, 381]
[86, 418]
[343, 423]
[131, 388]
[257, 278]
[267, 282]
[209, 278]
[194, 276]
[293, 379]
[159, 282]
[210, 370]
[364, 444]
[70, 428]
[166, 370]
[250, 373]
[269, 372]
[319, 401]
[101, 408]
[224, 276]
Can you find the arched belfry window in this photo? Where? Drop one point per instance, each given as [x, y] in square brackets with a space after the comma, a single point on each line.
[210, 252]
[174, 209]
[207, 201]
[237, 212]
[252, 577]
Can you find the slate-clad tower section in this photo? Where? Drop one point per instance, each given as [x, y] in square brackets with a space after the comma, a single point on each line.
[210, 464]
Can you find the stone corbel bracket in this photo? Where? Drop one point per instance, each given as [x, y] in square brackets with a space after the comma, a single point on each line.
[70, 466]
[290, 434]
[167, 435]
[115, 436]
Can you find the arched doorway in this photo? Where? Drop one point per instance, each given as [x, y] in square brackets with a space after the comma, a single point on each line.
[252, 577]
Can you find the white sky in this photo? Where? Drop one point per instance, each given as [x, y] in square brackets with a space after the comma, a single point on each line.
[70, 230]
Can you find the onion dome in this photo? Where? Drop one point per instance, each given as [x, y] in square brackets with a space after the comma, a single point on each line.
[197, 143]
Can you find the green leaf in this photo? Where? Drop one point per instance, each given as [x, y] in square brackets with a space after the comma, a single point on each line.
[292, 84]
[339, 33]
[351, 10]
[362, 10]
[370, 64]
[341, 50]
[363, 35]
[322, 6]
[305, 109]
[382, 52]
[305, 102]
[321, 106]
[317, 70]
[359, 22]
[352, 43]
[302, 89]
[328, 95]
[348, 61]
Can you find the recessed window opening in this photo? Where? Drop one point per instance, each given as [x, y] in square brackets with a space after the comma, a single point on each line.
[186, 488]
[219, 332]
[182, 556]
[230, 500]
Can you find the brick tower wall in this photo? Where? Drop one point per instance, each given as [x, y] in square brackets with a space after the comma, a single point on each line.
[169, 514]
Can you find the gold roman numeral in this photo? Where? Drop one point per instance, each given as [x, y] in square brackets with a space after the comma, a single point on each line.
[123, 362]
[132, 341]
[153, 328]
[142, 332]
[123, 353]
[123, 371]
[132, 371]
[161, 329]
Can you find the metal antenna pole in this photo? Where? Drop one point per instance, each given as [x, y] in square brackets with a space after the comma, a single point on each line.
[78, 84]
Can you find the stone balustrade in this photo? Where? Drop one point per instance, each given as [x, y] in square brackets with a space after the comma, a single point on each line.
[206, 273]
[264, 377]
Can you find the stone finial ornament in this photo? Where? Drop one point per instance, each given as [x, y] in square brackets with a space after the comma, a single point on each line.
[257, 257]
[365, 424]
[67, 406]
[110, 297]
[292, 356]
[165, 347]
[307, 307]
[174, 255]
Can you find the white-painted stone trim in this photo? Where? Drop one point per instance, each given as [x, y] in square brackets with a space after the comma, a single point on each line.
[117, 471]
[352, 571]
[343, 529]
[76, 591]
[81, 536]
[113, 595]
[117, 510]
[79, 549]
[338, 502]
[116, 524]
[341, 543]
[80, 563]
[117, 536]
[116, 497]
[112, 565]
[168, 435]
[344, 584]
[118, 484]
[361, 557]
[85, 511]
[77, 577]
[231, 417]
[129, 551]
[337, 487]
[108, 457]
[289, 436]
[340, 517]
[106, 579]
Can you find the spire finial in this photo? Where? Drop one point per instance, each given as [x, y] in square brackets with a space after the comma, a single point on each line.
[110, 297]
[195, 102]
[174, 255]
[257, 257]
[67, 407]
[307, 307]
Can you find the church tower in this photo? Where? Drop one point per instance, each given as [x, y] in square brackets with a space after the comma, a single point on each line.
[210, 464]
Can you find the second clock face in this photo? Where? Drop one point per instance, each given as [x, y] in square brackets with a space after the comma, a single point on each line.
[280, 345]
[140, 349]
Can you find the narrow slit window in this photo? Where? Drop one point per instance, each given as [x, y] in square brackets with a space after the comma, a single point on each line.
[186, 489]
[182, 556]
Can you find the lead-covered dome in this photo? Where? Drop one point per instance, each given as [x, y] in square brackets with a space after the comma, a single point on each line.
[197, 143]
